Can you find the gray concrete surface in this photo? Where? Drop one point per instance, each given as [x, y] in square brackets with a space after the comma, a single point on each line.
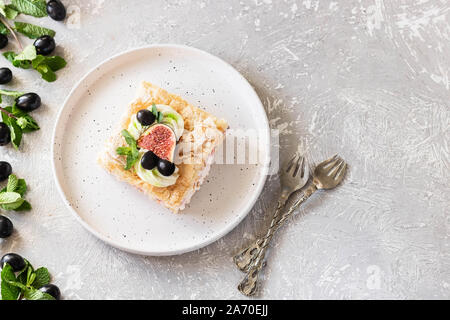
[367, 79]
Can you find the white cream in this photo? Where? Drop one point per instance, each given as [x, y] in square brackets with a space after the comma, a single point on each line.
[154, 177]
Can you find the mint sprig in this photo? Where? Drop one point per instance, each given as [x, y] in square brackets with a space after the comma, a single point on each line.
[11, 196]
[25, 283]
[131, 152]
[28, 58]
[18, 122]
[32, 31]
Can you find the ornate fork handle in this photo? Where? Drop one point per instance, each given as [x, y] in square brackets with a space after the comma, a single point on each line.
[244, 259]
[249, 283]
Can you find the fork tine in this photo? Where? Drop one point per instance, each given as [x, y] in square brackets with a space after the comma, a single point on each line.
[327, 162]
[306, 169]
[302, 167]
[291, 162]
[335, 167]
[297, 166]
[341, 172]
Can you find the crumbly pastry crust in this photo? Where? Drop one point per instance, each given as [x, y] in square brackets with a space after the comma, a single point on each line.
[202, 133]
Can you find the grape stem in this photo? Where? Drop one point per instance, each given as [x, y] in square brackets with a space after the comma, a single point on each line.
[8, 113]
[12, 32]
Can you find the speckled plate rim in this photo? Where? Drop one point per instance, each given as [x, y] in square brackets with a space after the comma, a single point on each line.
[264, 168]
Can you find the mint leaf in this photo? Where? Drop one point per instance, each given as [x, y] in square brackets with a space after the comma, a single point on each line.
[21, 187]
[16, 131]
[13, 182]
[32, 31]
[10, 12]
[55, 63]
[25, 206]
[46, 73]
[10, 200]
[123, 151]
[22, 123]
[2, 8]
[27, 123]
[47, 66]
[9, 197]
[24, 120]
[10, 93]
[3, 29]
[13, 205]
[42, 277]
[29, 53]
[35, 294]
[35, 8]
[9, 291]
[131, 152]
[23, 274]
[11, 56]
[30, 276]
[129, 138]
[154, 110]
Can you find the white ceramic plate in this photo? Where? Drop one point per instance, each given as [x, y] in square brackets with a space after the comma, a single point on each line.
[116, 212]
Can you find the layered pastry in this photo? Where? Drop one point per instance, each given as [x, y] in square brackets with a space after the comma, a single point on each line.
[164, 146]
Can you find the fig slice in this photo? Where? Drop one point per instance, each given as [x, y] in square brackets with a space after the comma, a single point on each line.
[161, 140]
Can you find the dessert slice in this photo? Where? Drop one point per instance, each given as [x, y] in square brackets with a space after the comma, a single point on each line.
[164, 146]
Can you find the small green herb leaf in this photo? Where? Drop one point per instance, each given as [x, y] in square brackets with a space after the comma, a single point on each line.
[10, 12]
[9, 197]
[35, 294]
[35, 8]
[131, 152]
[128, 138]
[11, 56]
[46, 73]
[10, 93]
[154, 110]
[10, 200]
[32, 31]
[29, 53]
[20, 123]
[55, 63]
[9, 291]
[46, 66]
[42, 277]
[123, 151]
[3, 29]
[16, 131]
[21, 187]
[13, 183]
[24, 120]
[25, 206]
[22, 274]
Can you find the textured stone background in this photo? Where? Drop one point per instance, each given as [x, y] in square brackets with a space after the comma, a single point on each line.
[367, 79]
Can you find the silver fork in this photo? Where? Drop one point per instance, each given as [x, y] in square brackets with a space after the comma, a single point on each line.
[327, 175]
[294, 176]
